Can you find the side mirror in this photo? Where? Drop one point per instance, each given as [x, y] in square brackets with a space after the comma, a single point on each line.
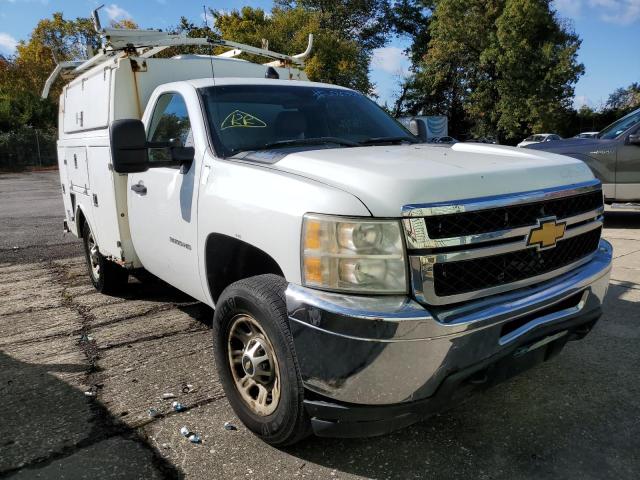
[634, 139]
[128, 146]
[184, 156]
[419, 129]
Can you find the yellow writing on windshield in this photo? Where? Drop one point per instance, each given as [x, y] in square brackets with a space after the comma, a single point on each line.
[239, 119]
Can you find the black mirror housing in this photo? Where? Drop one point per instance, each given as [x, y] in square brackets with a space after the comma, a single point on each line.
[182, 154]
[129, 152]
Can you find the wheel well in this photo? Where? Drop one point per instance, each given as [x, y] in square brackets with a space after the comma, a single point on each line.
[228, 260]
[80, 221]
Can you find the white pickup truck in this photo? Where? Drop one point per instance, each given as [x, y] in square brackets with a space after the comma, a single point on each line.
[361, 280]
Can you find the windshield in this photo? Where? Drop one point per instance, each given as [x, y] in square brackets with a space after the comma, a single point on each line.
[260, 117]
[620, 126]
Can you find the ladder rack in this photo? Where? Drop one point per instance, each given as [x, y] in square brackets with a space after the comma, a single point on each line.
[146, 43]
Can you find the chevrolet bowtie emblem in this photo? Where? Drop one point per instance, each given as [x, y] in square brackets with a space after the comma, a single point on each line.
[546, 234]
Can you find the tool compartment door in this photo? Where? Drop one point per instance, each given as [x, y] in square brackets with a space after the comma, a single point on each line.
[77, 169]
[86, 102]
[103, 201]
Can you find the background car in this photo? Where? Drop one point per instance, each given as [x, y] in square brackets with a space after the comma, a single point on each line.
[587, 135]
[490, 140]
[445, 139]
[539, 138]
[613, 155]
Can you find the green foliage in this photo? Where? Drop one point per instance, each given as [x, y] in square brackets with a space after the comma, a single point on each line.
[502, 68]
[25, 146]
[412, 19]
[53, 40]
[625, 99]
[365, 21]
[497, 67]
[336, 58]
[24, 108]
[586, 119]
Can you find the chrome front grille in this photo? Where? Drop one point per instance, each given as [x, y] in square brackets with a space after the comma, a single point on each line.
[490, 252]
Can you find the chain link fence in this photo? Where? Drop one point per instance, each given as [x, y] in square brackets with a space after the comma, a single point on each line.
[27, 148]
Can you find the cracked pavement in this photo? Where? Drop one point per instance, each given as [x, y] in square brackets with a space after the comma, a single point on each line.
[79, 370]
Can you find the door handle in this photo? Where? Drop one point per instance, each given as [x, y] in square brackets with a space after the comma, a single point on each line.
[139, 189]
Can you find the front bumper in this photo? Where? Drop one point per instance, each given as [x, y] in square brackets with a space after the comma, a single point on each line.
[385, 362]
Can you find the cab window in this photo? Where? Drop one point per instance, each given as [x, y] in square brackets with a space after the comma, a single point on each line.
[170, 125]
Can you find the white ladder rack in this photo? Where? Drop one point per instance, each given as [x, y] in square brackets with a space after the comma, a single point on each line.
[146, 43]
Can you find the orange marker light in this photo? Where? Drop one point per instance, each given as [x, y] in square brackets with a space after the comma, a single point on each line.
[313, 231]
[313, 270]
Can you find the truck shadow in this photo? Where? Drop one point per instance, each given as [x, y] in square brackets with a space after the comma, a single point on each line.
[51, 430]
[148, 287]
[618, 219]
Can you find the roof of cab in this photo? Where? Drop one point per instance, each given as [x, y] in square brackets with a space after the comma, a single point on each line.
[211, 82]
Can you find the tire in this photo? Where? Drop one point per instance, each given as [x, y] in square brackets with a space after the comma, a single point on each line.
[258, 305]
[106, 276]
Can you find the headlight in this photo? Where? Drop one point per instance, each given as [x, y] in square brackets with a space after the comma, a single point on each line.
[355, 255]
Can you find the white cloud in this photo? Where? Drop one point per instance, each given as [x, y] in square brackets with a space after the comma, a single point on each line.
[116, 13]
[390, 60]
[7, 44]
[622, 12]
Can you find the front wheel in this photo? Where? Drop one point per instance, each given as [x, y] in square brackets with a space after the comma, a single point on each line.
[256, 360]
[106, 276]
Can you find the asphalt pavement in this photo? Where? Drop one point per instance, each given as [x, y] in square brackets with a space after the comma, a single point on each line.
[79, 372]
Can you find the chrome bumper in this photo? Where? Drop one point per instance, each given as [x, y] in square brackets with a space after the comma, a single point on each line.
[389, 350]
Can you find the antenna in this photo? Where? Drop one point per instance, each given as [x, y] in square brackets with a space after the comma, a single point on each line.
[204, 11]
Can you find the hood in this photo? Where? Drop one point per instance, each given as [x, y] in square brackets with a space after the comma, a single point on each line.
[385, 178]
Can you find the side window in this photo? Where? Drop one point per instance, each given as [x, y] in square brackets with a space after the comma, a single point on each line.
[169, 124]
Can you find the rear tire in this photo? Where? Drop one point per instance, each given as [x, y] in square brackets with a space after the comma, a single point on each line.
[106, 276]
[256, 361]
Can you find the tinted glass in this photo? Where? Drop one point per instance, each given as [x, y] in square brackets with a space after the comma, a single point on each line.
[169, 124]
[619, 127]
[251, 117]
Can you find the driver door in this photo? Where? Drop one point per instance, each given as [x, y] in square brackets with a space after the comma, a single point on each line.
[628, 169]
[163, 200]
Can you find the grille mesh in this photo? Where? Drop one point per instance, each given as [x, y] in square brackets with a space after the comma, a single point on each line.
[465, 276]
[495, 219]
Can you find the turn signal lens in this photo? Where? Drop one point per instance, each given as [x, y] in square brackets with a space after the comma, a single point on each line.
[353, 255]
[312, 234]
[313, 270]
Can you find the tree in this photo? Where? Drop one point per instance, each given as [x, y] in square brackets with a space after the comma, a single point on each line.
[496, 67]
[364, 21]
[53, 40]
[537, 67]
[453, 72]
[625, 99]
[411, 19]
[22, 76]
[336, 58]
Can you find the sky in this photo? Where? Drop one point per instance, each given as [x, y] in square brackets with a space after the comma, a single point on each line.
[609, 29]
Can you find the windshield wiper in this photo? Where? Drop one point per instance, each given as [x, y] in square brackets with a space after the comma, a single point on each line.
[383, 140]
[305, 141]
